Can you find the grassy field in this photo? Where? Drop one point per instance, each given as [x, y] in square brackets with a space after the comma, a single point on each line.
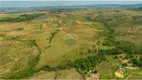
[43, 75]
[61, 74]
[62, 52]
[137, 75]
[63, 37]
[107, 68]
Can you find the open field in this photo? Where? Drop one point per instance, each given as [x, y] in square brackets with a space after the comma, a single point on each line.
[136, 76]
[107, 68]
[61, 74]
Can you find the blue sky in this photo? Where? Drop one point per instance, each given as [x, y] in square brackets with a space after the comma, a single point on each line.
[70, 0]
[38, 3]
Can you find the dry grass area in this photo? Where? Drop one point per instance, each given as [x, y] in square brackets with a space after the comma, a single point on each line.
[17, 46]
[3, 15]
[107, 68]
[59, 50]
[69, 74]
[137, 76]
[15, 56]
[43, 75]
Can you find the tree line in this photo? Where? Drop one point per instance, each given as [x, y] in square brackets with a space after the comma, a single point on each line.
[22, 18]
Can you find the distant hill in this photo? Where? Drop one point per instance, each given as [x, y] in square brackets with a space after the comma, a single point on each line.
[136, 9]
[44, 8]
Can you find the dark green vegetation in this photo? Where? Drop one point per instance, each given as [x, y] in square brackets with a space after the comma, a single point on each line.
[52, 35]
[137, 61]
[84, 65]
[19, 29]
[115, 33]
[21, 18]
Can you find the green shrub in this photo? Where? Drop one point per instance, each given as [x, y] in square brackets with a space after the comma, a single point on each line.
[46, 68]
[125, 64]
[135, 61]
[2, 35]
[129, 47]
[19, 29]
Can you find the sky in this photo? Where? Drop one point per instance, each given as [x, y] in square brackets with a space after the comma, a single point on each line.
[71, 0]
[39, 3]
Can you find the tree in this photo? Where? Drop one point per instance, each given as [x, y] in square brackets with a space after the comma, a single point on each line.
[135, 61]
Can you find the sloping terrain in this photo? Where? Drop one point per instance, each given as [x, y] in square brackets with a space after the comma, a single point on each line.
[69, 44]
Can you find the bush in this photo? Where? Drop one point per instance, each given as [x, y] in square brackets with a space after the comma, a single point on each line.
[135, 61]
[140, 61]
[99, 18]
[110, 40]
[119, 51]
[46, 68]
[2, 35]
[125, 64]
[19, 29]
[95, 71]
[129, 47]
[129, 56]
